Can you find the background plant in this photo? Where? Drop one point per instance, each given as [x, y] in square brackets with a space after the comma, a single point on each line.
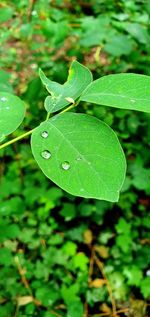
[35, 215]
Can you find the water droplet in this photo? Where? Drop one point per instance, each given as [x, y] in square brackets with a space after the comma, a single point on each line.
[44, 134]
[46, 154]
[7, 108]
[3, 98]
[65, 165]
[132, 100]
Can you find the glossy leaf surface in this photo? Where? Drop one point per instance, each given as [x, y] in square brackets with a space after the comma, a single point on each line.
[126, 91]
[80, 154]
[62, 95]
[12, 111]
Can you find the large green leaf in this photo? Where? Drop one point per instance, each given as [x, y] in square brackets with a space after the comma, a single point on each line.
[126, 91]
[12, 111]
[61, 95]
[80, 154]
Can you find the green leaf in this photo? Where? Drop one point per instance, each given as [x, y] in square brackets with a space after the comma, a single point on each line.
[75, 309]
[61, 95]
[4, 82]
[123, 226]
[70, 248]
[118, 45]
[80, 154]
[5, 257]
[12, 111]
[68, 211]
[89, 25]
[70, 294]
[80, 261]
[5, 14]
[124, 241]
[118, 285]
[133, 275]
[47, 295]
[145, 289]
[126, 91]
[138, 31]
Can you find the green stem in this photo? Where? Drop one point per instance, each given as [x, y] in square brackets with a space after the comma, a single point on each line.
[67, 109]
[16, 139]
[71, 106]
[48, 115]
[29, 132]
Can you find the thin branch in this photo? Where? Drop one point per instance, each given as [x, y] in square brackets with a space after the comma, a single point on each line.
[101, 268]
[16, 139]
[22, 275]
[125, 310]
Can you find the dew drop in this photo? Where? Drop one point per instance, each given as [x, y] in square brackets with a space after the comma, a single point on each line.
[3, 98]
[46, 154]
[44, 134]
[7, 108]
[132, 100]
[65, 165]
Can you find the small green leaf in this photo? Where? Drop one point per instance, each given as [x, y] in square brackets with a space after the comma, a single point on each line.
[145, 289]
[133, 275]
[12, 111]
[75, 309]
[47, 295]
[118, 285]
[62, 95]
[80, 261]
[123, 226]
[80, 154]
[5, 257]
[126, 91]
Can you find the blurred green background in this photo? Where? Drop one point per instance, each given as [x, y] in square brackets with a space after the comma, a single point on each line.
[60, 255]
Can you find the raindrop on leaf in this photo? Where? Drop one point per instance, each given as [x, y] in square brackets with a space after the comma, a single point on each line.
[65, 165]
[44, 134]
[46, 154]
[3, 98]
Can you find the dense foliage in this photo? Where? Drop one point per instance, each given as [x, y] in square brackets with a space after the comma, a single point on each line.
[61, 255]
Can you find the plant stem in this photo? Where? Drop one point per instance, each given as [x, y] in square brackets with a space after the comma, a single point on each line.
[75, 104]
[29, 132]
[67, 109]
[16, 139]
[48, 115]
